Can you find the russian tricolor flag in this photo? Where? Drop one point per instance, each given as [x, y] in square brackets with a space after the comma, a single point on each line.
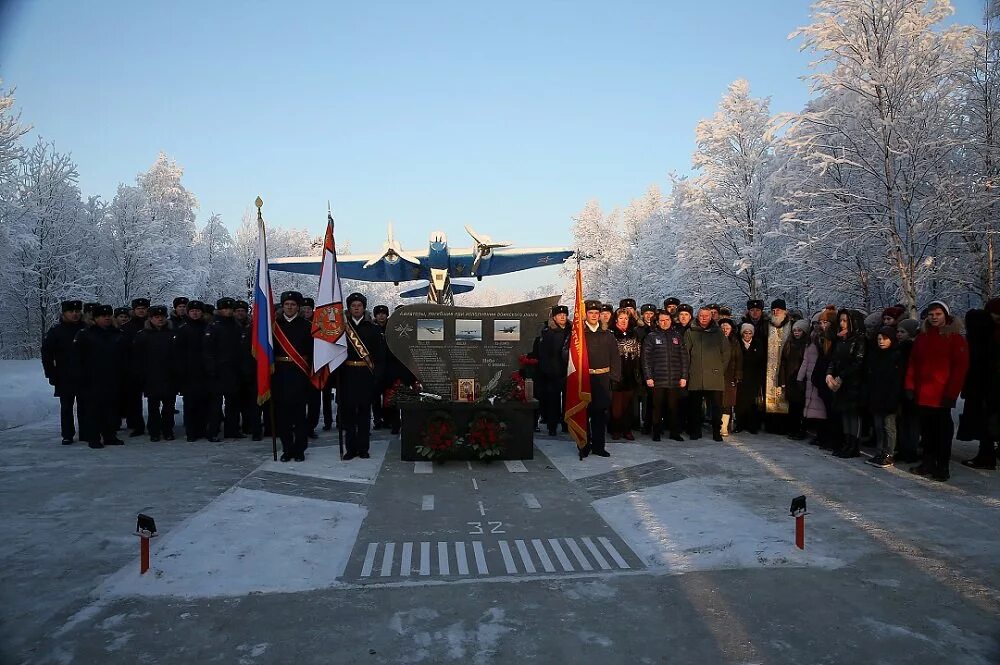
[263, 316]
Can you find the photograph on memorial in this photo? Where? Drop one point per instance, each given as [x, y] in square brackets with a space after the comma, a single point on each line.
[469, 330]
[430, 330]
[506, 330]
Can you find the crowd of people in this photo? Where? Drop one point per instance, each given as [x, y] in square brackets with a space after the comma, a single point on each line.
[103, 361]
[841, 378]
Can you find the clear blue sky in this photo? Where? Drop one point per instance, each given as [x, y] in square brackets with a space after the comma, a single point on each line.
[509, 116]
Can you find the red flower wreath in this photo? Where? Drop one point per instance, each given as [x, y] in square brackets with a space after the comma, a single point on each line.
[439, 436]
[486, 435]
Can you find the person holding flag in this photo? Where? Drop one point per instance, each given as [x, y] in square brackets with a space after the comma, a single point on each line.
[359, 377]
[293, 351]
[603, 365]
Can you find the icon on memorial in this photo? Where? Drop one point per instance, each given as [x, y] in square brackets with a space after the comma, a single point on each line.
[430, 330]
[506, 331]
[469, 330]
[466, 390]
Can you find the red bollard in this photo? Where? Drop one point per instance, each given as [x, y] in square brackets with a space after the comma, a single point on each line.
[800, 532]
[145, 528]
[143, 555]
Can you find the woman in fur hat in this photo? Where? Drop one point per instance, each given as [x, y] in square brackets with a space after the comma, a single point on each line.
[622, 391]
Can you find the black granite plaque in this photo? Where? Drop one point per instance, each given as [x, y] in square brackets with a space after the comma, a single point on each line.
[442, 344]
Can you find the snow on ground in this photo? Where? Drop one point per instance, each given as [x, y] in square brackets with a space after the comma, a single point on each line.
[25, 394]
[247, 541]
[325, 463]
[563, 454]
[691, 525]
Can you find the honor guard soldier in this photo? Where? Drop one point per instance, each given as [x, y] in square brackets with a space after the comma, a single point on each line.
[133, 391]
[605, 367]
[121, 317]
[553, 364]
[241, 313]
[99, 353]
[381, 316]
[57, 354]
[222, 353]
[154, 369]
[359, 377]
[179, 316]
[314, 398]
[293, 345]
[191, 371]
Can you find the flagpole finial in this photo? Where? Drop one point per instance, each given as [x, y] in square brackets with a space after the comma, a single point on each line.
[259, 203]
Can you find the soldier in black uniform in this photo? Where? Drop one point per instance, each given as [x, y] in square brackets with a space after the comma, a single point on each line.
[314, 399]
[223, 365]
[381, 316]
[179, 316]
[99, 354]
[191, 365]
[57, 352]
[552, 362]
[670, 306]
[133, 390]
[290, 383]
[647, 313]
[605, 367]
[154, 369]
[358, 380]
[88, 313]
[250, 423]
[122, 316]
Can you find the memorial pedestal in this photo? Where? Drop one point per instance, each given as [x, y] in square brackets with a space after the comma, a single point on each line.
[519, 418]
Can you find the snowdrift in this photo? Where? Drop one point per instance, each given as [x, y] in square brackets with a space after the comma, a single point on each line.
[25, 395]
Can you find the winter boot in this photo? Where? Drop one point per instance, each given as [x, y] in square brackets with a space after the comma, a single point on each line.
[851, 448]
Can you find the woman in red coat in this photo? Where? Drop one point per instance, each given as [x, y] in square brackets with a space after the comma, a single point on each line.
[934, 377]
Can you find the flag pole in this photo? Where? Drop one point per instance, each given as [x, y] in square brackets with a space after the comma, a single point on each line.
[270, 400]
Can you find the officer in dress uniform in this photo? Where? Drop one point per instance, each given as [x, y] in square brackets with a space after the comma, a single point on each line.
[293, 345]
[99, 354]
[154, 368]
[359, 377]
[132, 397]
[223, 356]
[552, 364]
[605, 367]
[191, 371]
[57, 351]
[381, 316]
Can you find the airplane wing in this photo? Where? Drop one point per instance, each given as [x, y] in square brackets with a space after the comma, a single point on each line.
[501, 261]
[352, 267]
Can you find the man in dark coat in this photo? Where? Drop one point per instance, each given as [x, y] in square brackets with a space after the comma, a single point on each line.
[224, 367]
[605, 367]
[358, 377]
[57, 351]
[154, 368]
[132, 395]
[552, 366]
[665, 369]
[984, 381]
[179, 315]
[381, 316]
[191, 372]
[293, 346]
[99, 354]
[750, 390]
[708, 351]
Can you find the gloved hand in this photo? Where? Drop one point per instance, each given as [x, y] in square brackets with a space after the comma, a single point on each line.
[947, 403]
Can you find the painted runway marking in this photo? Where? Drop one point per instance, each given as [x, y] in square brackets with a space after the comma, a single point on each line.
[469, 464]
[366, 568]
[387, 555]
[508, 560]
[463, 564]
[443, 565]
[522, 549]
[406, 565]
[520, 557]
[475, 485]
[601, 561]
[423, 467]
[428, 502]
[425, 558]
[516, 466]
[482, 511]
[531, 501]
[543, 556]
[477, 549]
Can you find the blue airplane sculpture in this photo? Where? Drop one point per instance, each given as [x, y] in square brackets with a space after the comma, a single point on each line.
[445, 271]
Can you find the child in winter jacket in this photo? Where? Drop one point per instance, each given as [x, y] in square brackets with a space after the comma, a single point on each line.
[885, 387]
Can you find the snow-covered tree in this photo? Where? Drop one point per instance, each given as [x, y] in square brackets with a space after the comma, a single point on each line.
[171, 213]
[218, 271]
[729, 202]
[882, 144]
